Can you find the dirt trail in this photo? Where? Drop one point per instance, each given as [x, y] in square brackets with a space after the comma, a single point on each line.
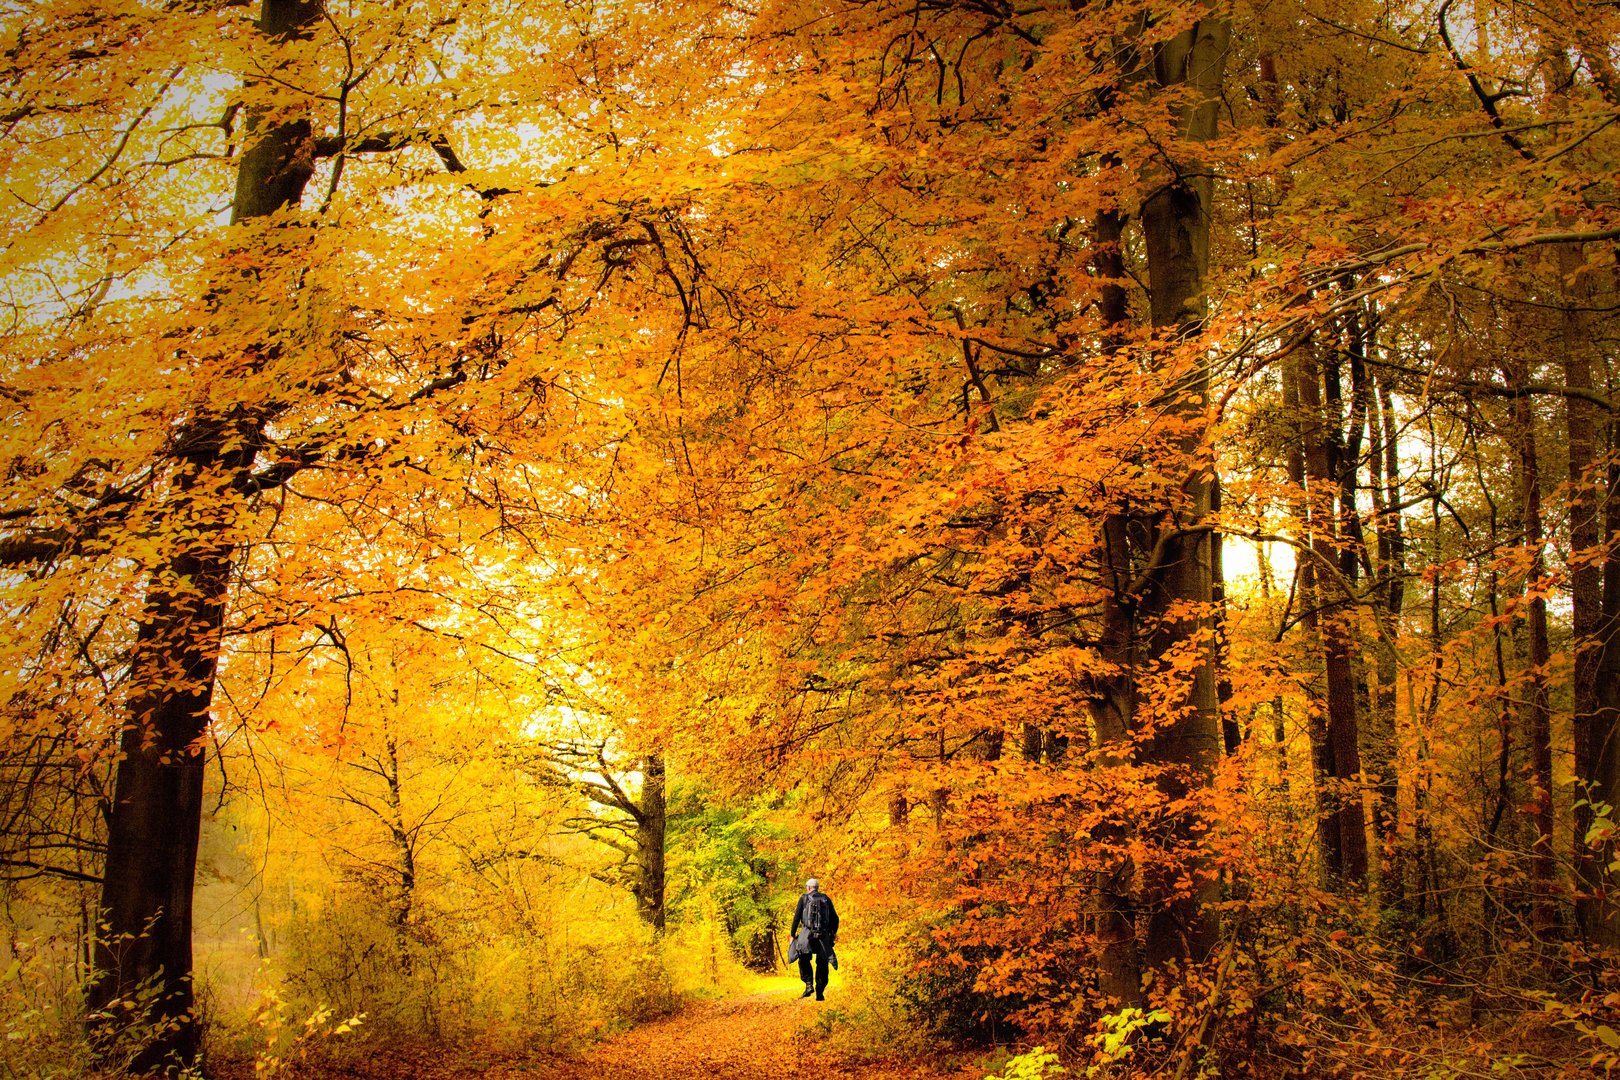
[752, 1037]
[744, 1038]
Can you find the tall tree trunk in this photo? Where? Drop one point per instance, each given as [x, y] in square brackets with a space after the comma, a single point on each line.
[141, 989]
[1384, 482]
[1296, 373]
[1605, 779]
[1594, 585]
[1537, 707]
[1596, 707]
[1231, 731]
[142, 986]
[1353, 559]
[1338, 754]
[1113, 706]
[1430, 901]
[1175, 228]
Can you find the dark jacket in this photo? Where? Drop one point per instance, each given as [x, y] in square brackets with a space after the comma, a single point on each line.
[817, 914]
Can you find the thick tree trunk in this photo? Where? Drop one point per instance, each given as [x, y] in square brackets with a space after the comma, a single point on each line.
[1596, 695]
[141, 995]
[1113, 706]
[1175, 227]
[1594, 587]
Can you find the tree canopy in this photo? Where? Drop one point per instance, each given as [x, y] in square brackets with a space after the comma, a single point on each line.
[1129, 487]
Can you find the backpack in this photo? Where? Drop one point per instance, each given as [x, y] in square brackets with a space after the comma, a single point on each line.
[816, 910]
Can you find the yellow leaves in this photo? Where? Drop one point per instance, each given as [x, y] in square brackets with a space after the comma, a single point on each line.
[646, 412]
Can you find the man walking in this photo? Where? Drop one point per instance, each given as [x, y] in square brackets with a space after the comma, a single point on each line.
[815, 933]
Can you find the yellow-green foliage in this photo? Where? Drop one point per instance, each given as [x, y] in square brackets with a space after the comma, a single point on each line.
[1036, 1064]
[38, 1020]
[42, 953]
[874, 1009]
[401, 864]
[526, 955]
[582, 969]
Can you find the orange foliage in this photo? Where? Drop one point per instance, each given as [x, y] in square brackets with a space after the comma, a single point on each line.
[765, 387]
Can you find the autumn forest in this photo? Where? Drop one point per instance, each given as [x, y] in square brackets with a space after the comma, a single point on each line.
[494, 495]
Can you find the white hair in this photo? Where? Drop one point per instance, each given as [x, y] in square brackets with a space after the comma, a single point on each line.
[812, 884]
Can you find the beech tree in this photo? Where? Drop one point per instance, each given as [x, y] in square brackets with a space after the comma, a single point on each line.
[266, 370]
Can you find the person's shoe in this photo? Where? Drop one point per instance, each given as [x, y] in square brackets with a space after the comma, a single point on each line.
[808, 990]
[819, 997]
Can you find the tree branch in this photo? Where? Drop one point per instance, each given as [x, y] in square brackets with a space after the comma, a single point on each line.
[1487, 101]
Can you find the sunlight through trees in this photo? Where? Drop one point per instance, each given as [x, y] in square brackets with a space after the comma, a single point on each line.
[495, 494]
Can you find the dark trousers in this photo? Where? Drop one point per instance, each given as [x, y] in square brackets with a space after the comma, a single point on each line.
[819, 949]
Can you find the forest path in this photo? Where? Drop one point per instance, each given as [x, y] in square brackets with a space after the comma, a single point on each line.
[752, 1037]
[755, 1037]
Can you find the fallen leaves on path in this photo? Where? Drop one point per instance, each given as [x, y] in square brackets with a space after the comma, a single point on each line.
[756, 1037]
[749, 1038]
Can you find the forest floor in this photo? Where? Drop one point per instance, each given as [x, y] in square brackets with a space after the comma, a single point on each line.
[758, 1036]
